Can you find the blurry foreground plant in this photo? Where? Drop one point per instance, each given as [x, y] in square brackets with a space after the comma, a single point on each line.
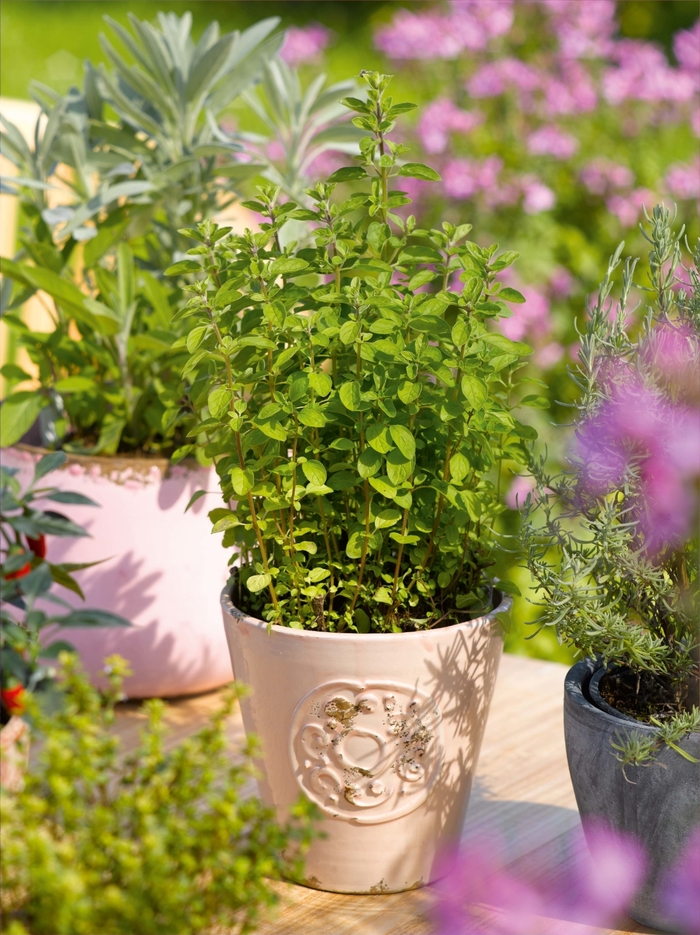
[154, 842]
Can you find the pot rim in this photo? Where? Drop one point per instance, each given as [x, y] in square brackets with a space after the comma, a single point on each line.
[109, 463]
[230, 608]
[582, 671]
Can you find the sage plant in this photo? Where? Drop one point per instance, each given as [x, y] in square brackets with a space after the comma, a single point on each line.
[355, 399]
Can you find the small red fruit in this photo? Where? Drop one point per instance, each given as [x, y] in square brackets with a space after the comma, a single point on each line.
[20, 573]
[13, 699]
[38, 546]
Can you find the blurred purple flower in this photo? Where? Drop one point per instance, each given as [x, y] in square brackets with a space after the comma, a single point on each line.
[584, 29]
[519, 489]
[552, 141]
[440, 118]
[478, 892]
[561, 283]
[628, 208]
[530, 319]
[601, 176]
[683, 180]
[548, 355]
[682, 887]
[642, 73]
[568, 90]
[637, 431]
[494, 78]
[304, 45]
[464, 178]
[467, 24]
[537, 196]
[686, 47]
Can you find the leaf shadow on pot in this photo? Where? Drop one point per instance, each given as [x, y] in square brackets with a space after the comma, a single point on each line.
[462, 680]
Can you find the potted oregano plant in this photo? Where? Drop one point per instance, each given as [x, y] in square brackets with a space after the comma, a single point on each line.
[109, 383]
[359, 406]
[27, 578]
[612, 545]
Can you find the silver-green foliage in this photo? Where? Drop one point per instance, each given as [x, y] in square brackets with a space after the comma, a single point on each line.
[357, 421]
[158, 841]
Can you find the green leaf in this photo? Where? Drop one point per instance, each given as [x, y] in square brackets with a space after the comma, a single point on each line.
[75, 385]
[48, 463]
[349, 331]
[18, 414]
[387, 518]
[195, 496]
[93, 618]
[314, 472]
[321, 383]
[355, 544]
[536, 402]
[474, 391]
[506, 345]
[183, 266]
[350, 395]
[382, 485]
[404, 440]
[511, 295]
[272, 429]
[258, 583]
[377, 436]
[287, 264]
[309, 547]
[318, 574]
[242, 481]
[342, 444]
[459, 467]
[369, 462]
[347, 174]
[61, 576]
[312, 416]
[409, 392]
[219, 401]
[416, 170]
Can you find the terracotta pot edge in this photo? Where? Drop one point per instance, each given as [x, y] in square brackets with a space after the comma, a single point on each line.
[108, 465]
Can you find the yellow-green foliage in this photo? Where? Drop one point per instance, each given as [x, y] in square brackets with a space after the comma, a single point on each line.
[151, 842]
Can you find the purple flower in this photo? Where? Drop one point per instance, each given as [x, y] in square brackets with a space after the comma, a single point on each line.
[464, 178]
[561, 283]
[584, 29]
[479, 891]
[302, 46]
[552, 141]
[683, 180]
[440, 118]
[628, 208]
[682, 887]
[537, 196]
[643, 73]
[637, 433]
[601, 176]
[468, 24]
[686, 47]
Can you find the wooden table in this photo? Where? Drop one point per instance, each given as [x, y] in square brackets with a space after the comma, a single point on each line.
[522, 794]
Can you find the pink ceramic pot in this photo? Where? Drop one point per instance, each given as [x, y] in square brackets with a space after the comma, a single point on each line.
[164, 568]
[381, 731]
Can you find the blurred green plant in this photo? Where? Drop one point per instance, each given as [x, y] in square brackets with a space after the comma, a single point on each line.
[153, 842]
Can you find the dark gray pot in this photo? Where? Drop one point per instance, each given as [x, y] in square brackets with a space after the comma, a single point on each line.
[660, 806]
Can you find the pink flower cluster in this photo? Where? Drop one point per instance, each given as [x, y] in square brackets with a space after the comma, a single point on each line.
[440, 118]
[584, 29]
[683, 180]
[302, 46]
[639, 432]
[550, 140]
[467, 178]
[468, 25]
[479, 892]
[564, 88]
[642, 73]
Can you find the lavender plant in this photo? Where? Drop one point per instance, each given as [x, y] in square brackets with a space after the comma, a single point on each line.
[357, 406]
[612, 541]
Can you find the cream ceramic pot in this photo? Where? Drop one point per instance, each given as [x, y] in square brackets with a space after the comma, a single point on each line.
[163, 569]
[381, 731]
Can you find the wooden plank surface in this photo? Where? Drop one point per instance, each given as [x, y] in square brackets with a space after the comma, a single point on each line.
[522, 796]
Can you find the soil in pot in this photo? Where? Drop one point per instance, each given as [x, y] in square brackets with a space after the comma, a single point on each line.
[646, 695]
